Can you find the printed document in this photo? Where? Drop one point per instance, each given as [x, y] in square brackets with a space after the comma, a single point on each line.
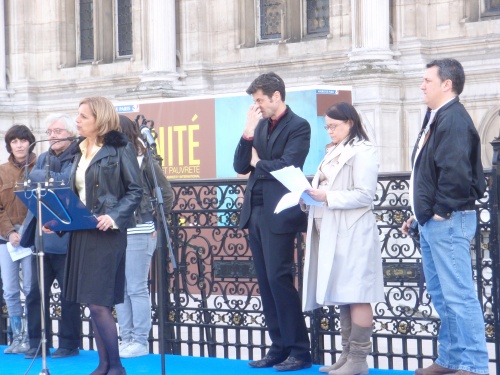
[295, 181]
[19, 252]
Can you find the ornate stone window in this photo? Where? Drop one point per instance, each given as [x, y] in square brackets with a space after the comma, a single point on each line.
[271, 19]
[124, 29]
[282, 21]
[491, 8]
[86, 30]
[105, 30]
[318, 17]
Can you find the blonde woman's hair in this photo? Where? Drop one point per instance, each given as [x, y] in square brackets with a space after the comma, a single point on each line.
[106, 117]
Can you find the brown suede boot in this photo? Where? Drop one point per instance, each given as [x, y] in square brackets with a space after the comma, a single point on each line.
[345, 332]
[360, 347]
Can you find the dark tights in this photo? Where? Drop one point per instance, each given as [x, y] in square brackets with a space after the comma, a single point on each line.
[106, 337]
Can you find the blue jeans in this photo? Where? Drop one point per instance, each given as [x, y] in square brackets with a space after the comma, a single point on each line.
[447, 265]
[134, 314]
[11, 281]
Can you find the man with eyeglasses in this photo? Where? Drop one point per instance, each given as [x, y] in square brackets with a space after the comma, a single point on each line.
[58, 158]
[274, 137]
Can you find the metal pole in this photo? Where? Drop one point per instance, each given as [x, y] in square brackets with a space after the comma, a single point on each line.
[494, 246]
[40, 253]
[162, 223]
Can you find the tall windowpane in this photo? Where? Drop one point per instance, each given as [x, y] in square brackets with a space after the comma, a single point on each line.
[270, 18]
[318, 16]
[124, 27]
[86, 30]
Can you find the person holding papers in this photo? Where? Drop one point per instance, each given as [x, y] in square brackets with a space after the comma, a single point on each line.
[343, 264]
[274, 137]
[19, 143]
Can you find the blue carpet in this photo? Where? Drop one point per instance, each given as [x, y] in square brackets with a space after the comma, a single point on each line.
[86, 362]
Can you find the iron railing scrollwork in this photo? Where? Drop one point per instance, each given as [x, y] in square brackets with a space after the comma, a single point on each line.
[212, 305]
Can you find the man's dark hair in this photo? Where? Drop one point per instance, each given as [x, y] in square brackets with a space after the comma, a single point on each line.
[21, 132]
[450, 69]
[343, 111]
[269, 83]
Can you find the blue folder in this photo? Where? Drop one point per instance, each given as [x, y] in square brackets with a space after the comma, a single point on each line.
[62, 210]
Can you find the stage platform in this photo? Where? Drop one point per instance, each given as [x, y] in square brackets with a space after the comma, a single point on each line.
[85, 363]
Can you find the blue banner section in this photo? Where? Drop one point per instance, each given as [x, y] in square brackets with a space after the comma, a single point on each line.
[230, 117]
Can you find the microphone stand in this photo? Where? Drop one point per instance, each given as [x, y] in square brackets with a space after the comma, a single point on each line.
[40, 252]
[160, 212]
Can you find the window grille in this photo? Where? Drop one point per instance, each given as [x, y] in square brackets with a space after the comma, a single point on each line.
[318, 16]
[124, 19]
[270, 19]
[86, 30]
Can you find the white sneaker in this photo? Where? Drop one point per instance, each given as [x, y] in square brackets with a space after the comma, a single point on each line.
[134, 349]
[123, 345]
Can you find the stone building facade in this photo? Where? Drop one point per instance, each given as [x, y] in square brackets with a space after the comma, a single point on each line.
[55, 52]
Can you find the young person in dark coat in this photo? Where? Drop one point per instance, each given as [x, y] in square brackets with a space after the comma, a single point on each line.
[105, 175]
[274, 137]
[55, 248]
[134, 315]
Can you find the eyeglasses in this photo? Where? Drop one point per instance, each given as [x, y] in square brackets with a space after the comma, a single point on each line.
[56, 131]
[331, 127]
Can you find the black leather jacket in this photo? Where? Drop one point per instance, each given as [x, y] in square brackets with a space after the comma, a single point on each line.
[112, 180]
[448, 175]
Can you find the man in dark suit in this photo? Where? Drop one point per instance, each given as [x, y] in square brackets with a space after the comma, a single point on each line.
[274, 137]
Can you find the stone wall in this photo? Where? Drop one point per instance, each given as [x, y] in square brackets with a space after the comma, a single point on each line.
[191, 47]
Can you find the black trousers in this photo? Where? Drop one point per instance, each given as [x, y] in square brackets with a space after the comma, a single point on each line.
[273, 256]
[70, 323]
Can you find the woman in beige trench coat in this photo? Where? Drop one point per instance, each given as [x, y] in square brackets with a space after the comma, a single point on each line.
[343, 264]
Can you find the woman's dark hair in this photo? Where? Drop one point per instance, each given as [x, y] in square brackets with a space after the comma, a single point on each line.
[343, 111]
[131, 130]
[19, 131]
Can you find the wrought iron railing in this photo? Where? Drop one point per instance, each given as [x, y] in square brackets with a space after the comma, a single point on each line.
[212, 299]
[215, 309]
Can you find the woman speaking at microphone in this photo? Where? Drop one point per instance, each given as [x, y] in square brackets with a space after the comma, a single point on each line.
[19, 141]
[105, 175]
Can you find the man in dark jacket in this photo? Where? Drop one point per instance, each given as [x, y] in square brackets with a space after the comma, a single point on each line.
[274, 137]
[446, 181]
[54, 164]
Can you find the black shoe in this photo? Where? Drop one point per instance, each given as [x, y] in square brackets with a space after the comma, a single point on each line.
[64, 353]
[35, 353]
[292, 364]
[267, 361]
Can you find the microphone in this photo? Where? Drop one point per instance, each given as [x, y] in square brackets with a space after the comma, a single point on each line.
[48, 179]
[146, 133]
[26, 181]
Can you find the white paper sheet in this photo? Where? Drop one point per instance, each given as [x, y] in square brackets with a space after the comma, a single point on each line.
[19, 252]
[295, 181]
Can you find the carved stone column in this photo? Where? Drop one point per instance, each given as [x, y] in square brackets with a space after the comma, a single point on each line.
[3, 82]
[370, 30]
[160, 26]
